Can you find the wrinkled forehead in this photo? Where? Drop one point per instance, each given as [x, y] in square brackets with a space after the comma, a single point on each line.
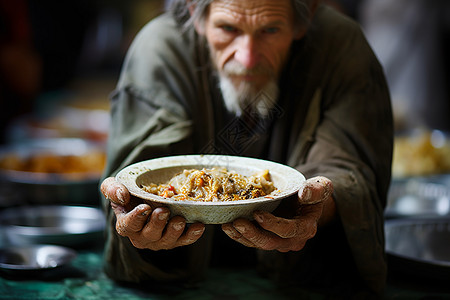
[242, 11]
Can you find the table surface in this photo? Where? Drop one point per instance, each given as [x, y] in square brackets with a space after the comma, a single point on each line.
[83, 278]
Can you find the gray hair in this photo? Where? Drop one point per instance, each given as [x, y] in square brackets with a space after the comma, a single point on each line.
[180, 10]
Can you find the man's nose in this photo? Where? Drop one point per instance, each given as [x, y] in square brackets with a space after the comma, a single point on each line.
[246, 53]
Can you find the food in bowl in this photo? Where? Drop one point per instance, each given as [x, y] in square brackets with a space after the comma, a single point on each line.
[161, 170]
[213, 185]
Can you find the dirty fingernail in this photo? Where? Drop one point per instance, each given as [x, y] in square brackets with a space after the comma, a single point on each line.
[119, 195]
[177, 226]
[240, 228]
[198, 232]
[259, 218]
[306, 194]
[163, 216]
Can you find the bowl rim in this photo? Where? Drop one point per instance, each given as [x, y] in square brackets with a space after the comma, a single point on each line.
[128, 175]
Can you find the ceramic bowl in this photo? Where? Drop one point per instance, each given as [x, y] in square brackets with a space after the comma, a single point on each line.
[286, 180]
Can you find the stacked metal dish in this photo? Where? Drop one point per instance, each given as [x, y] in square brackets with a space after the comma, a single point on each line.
[419, 246]
[51, 224]
[34, 258]
[34, 238]
[426, 196]
[417, 225]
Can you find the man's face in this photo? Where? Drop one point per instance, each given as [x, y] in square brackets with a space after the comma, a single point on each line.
[250, 41]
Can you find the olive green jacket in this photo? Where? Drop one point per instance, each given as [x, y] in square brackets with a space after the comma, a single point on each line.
[332, 118]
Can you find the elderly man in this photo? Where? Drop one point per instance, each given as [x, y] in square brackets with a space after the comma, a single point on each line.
[284, 80]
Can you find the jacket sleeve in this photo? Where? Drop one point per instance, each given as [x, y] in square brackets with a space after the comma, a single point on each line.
[150, 118]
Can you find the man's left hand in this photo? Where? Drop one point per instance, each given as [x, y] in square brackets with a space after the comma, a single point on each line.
[271, 232]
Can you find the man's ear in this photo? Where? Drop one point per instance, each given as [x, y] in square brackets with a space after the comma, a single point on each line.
[199, 27]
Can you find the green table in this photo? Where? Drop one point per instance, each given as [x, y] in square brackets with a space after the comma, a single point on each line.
[84, 279]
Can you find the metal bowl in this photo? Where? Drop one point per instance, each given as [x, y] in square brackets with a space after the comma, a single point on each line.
[425, 196]
[47, 187]
[35, 257]
[419, 245]
[286, 180]
[53, 224]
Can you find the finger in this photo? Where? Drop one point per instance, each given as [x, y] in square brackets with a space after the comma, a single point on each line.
[174, 229]
[315, 190]
[236, 235]
[194, 232]
[302, 227]
[118, 209]
[115, 191]
[134, 221]
[311, 212]
[284, 228]
[292, 234]
[259, 238]
[154, 229]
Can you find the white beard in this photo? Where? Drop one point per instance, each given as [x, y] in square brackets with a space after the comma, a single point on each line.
[246, 96]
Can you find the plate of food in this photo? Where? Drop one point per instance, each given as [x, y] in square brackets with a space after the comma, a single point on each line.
[57, 160]
[56, 170]
[421, 153]
[211, 189]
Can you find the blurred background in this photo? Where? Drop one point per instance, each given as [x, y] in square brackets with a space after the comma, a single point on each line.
[63, 53]
[60, 60]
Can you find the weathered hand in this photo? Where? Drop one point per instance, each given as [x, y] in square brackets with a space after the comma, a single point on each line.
[147, 227]
[287, 233]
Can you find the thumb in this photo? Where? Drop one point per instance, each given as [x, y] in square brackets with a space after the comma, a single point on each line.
[115, 191]
[315, 190]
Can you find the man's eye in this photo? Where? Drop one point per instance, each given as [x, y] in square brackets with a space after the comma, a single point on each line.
[228, 28]
[271, 30]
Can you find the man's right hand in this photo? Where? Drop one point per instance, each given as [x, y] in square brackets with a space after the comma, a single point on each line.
[147, 227]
